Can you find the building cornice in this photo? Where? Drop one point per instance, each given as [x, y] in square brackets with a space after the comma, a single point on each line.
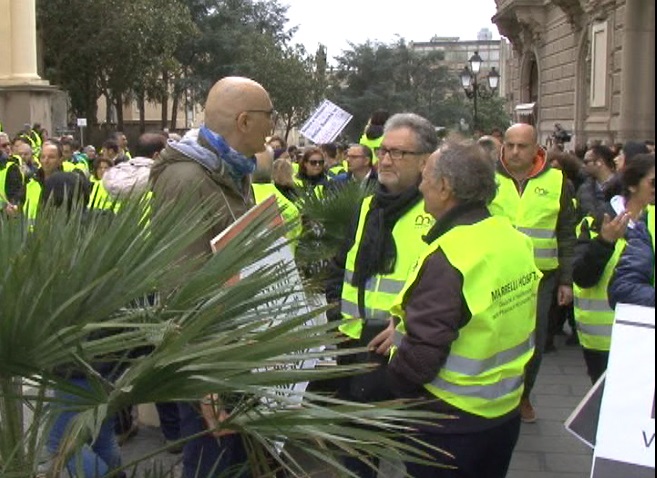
[522, 22]
[599, 10]
[574, 10]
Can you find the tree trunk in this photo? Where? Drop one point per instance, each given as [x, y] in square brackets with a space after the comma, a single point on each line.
[165, 99]
[141, 102]
[119, 111]
[174, 110]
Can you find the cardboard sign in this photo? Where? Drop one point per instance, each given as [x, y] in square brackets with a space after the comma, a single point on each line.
[625, 443]
[326, 123]
[583, 422]
[297, 302]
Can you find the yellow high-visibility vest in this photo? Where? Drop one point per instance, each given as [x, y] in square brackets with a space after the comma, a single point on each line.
[288, 209]
[32, 199]
[593, 314]
[381, 290]
[484, 372]
[372, 144]
[535, 213]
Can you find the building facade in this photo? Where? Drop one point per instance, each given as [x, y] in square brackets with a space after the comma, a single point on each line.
[494, 53]
[588, 65]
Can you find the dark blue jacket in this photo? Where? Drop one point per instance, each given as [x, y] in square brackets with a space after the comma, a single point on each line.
[633, 281]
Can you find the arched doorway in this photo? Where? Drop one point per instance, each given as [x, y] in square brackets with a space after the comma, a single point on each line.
[529, 89]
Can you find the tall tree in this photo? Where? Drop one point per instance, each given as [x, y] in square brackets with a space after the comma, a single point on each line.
[372, 76]
[225, 27]
[108, 46]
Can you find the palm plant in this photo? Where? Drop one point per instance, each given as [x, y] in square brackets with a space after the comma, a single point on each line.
[66, 284]
[327, 219]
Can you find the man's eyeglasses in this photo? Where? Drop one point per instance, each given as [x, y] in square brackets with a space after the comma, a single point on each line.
[316, 162]
[269, 113]
[395, 154]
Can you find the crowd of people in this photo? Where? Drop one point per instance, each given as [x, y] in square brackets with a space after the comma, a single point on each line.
[458, 268]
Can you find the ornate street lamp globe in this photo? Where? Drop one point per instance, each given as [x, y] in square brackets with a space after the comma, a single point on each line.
[475, 63]
[466, 78]
[493, 79]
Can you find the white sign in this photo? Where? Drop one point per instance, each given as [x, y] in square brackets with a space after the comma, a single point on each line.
[296, 302]
[82, 122]
[625, 444]
[326, 123]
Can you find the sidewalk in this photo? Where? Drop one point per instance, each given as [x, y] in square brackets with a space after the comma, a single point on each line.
[545, 449]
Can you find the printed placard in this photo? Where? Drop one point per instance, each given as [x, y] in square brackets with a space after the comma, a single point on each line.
[326, 123]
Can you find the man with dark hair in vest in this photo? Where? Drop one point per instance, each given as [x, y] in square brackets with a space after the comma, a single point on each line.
[380, 252]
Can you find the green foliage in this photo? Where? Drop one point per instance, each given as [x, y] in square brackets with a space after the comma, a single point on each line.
[327, 221]
[112, 47]
[492, 113]
[393, 77]
[229, 36]
[71, 290]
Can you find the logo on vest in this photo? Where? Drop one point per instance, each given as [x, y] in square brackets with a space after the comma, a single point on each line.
[422, 220]
[541, 191]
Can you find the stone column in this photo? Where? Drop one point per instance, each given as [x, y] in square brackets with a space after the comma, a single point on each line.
[637, 103]
[23, 41]
[5, 40]
[24, 97]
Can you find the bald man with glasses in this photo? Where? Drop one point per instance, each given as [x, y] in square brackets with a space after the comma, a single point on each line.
[217, 161]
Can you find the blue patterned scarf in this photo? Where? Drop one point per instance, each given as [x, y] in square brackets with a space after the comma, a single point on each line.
[239, 165]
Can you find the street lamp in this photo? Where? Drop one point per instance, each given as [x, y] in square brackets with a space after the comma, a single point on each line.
[473, 89]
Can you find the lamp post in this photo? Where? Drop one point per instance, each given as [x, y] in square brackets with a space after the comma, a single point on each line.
[473, 88]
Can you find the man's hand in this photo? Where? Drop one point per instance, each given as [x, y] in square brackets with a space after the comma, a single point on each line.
[11, 210]
[214, 415]
[614, 229]
[382, 343]
[565, 295]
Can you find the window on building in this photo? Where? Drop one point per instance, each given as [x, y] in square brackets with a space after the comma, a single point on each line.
[599, 46]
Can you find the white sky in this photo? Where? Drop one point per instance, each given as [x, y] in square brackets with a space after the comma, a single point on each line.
[335, 23]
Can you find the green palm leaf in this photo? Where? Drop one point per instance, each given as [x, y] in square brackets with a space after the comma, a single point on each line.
[72, 291]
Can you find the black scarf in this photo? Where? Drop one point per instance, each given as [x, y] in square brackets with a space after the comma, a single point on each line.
[377, 252]
[313, 181]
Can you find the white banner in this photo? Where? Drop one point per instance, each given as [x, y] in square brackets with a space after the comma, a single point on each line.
[326, 123]
[625, 444]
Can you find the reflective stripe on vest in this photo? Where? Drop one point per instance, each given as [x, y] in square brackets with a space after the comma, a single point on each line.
[535, 213]
[380, 291]
[493, 391]
[483, 373]
[592, 312]
[389, 286]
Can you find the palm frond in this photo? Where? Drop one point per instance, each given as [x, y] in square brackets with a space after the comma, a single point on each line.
[74, 287]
